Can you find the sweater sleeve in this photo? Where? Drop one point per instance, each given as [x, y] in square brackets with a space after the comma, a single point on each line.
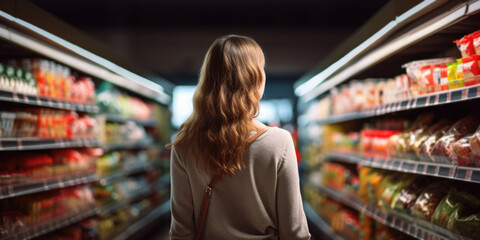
[183, 223]
[292, 223]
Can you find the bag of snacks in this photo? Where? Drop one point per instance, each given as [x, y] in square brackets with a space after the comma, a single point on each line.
[443, 149]
[471, 70]
[465, 45]
[476, 41]
[429, 199]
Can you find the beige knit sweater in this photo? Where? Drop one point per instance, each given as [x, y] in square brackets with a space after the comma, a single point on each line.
[261, 202]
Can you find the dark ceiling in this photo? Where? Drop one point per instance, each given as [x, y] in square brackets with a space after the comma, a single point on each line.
[170, 37]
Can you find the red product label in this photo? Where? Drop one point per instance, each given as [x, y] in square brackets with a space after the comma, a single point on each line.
[465, 45]
[476, 41]
[471, 70]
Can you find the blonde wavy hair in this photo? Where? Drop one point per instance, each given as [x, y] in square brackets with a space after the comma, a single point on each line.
[225, 102]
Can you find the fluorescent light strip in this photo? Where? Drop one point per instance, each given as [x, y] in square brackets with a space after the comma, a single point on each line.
[390, 48]
[322, 76]
[156, 89]
[473, 7]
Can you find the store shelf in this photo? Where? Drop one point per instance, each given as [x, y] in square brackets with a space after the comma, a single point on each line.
[16, 190]
[120, 119]
[435, 99]
[414, 227]
[136, 195]
[20, 144]
[319, 223]
[129, 170]
[7, 96]
[39, 230]
[129, 145]
[468, 174]
[145, 221]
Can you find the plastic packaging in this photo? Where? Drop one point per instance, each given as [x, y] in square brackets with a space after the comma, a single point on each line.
[406, 197]
[465, 45]
[428, 200]
[443, 150]
[471, 70]
[414, 71]
[6, 124]
[476, 41]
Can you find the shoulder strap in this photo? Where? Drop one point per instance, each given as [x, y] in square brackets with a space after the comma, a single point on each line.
[258, 134]
[208, 191]
[206, 200]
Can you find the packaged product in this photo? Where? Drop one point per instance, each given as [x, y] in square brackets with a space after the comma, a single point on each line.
[475, 143]
[417, 140]
[392, 189]
[471, 70]
[463, 152]
[476, 41]
[452, 75]
[443, 149]
[459, 212]
[414, 69]
[429, 199]
[408, 194]
[400, 144]
[427, 147]
[459, 74]
[426, 79]
[366, 227]
[346, 223]
[465, 45]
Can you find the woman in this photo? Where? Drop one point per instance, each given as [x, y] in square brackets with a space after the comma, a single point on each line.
[258, 194]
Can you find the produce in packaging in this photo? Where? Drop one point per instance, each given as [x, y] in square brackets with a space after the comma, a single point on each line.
[428, 200]
[427, 147]
[406, 197]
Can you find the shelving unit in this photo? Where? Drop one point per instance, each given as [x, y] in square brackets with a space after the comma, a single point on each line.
[42, 229]
[136, 195]
[428, 100]
[128, 145]
[121, 119]
[319, 223]
[414, 227]
[15, 190]
[20, 144]
[19, 98]
[425, 30]
[28, 41]
[144, 221]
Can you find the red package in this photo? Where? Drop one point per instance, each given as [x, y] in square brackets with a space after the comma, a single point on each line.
[426, 79]
[471, 70]
[476, 41]
[465, 45]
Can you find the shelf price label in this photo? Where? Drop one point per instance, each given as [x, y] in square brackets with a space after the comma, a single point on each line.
[472, 92]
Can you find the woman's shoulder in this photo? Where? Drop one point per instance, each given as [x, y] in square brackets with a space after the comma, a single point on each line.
[275, 135]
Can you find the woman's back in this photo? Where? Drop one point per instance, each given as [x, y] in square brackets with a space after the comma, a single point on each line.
[260, 202]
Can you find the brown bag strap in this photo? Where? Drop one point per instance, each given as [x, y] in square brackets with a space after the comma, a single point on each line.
[208, 191]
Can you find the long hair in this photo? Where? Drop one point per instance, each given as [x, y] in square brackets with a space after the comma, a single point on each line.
[224, 104]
